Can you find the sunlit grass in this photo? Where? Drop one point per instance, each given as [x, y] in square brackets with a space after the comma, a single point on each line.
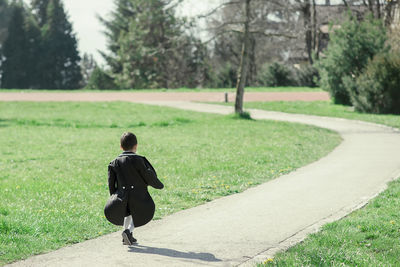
[54, 157]
[248, 89]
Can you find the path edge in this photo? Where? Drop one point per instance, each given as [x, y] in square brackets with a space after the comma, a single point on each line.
[301, 235]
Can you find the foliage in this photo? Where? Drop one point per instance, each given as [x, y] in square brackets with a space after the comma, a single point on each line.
[377, 89]
[99, 79]
[40, 50]
[275, 74]
[5, 15]
[53, 189]
[307, 76]
[226, 76]
[88, 65]
[60, 58]
[39, 9]
[348, 52]
[225, 28]
[150, 48]
[19, 50]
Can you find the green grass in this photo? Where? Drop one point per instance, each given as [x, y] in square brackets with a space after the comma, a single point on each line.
[248, 89]
[54, 156]
[324, 108]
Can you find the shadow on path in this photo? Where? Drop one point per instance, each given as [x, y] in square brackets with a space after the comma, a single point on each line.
[173, 253]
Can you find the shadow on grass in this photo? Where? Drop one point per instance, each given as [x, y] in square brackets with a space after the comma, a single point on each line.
[242, 116]
[173, 253]
[4, 123]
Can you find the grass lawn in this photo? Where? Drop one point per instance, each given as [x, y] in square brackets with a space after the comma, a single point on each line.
[367, 237]
[54, 156]
[248, 89]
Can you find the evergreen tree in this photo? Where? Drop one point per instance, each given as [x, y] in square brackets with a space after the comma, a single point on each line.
[88, 65]
[149, 47]
[100, 79]
[5, 15]
[349, 50]
[59, 55]
[34, 39]
[15, 52]
[39, 8]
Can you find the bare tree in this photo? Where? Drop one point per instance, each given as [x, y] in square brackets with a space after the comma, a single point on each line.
[242, 72]
[247, 19]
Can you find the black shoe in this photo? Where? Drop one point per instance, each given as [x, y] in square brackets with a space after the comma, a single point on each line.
[127, 238]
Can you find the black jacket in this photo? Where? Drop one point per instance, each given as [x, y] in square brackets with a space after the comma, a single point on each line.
[128, 177]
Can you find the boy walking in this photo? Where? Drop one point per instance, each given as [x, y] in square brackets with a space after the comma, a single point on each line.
[129, 175]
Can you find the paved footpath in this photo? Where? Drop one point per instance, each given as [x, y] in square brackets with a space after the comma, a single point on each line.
[249, 227]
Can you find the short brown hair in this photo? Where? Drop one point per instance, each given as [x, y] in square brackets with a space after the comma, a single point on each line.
[128, 141]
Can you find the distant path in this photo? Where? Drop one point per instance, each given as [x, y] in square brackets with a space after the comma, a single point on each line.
[246, 228]
[162, 96]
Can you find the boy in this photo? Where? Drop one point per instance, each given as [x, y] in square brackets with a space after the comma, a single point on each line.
[128, 177]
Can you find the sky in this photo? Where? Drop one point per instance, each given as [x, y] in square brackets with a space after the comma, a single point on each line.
[89, 30]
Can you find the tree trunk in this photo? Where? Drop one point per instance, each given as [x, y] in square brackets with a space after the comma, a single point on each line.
[306, 9]
[242, 71]
[378, 9]
[371, 7]
[314, 27]
[396, 15]
[252, 69]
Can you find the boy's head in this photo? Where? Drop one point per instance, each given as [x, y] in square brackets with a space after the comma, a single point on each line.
[128, 142]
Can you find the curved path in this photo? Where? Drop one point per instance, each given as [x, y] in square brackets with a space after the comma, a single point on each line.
[249, 227]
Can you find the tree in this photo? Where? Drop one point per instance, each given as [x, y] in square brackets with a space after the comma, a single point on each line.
[100, 79]
[349, 50]
[377, 89]
[16, 67]
[34, 38]
[5, 15]
[88, 65]
[39, 8]
[59, 55]
[308, 10]
[242, 71]
[247, 24]
[149, 47]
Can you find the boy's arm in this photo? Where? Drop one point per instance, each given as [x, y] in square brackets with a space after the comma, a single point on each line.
[148, 173]
[111, 180]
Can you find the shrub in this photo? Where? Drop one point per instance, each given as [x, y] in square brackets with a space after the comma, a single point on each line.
[224, 77]
[348, 52]
[275, 74]
[100, 80]
[307, 76]
[377, 90]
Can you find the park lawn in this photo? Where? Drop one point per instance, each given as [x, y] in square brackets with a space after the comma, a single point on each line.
[231, 90]
[54, 157]
[367, 237]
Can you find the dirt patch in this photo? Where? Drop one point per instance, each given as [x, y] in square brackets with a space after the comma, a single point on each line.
[163, 96]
